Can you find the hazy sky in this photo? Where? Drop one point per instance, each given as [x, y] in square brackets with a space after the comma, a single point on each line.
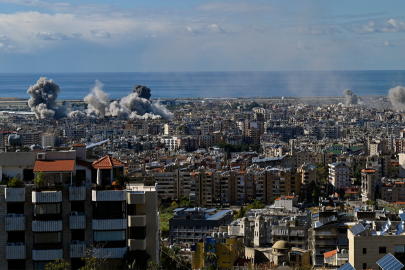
[181, 35]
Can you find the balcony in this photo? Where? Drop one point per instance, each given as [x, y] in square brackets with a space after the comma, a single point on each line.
[47, 254]
[135, 244]
[109, 224]
[77, 249]
[77, 221]
[77, 193]
[136, 197]
[15, 251]
[46, 196]
[108, 195]
[46, 226]
[136, 221]
[15, 222]
[14, 194]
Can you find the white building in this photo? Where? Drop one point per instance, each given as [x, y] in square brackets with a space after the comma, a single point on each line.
[339, 175]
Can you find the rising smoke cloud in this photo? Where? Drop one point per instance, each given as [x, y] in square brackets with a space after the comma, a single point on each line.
[131, 106]
[43, 101]
[351, 98]
[44, 95]
[397, 97]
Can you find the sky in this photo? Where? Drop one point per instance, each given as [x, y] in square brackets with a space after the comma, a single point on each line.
[180, 35]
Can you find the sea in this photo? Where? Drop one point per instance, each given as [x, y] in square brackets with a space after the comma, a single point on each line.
[211, 84]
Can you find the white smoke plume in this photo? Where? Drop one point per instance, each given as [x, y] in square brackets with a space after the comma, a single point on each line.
[43, 101]
[97, 101]
[131, 106]
[351, 98]
[397, 97]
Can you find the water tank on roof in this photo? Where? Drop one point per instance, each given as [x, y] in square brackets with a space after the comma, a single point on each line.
[215, 235]
[323, 208]
[225, 235]
[15, 139]
[220, 235]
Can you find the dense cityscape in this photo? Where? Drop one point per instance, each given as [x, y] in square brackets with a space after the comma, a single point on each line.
[230, 183]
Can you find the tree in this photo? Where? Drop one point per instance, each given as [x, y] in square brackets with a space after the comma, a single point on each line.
[57, 265]
[140, 257]
[39, 179]
[321, 174]
[171, 259]
[316, 193]
[95, 257]
[15, 182]
[241, 213]
[174, 204]
[347, 196]
[210, 257]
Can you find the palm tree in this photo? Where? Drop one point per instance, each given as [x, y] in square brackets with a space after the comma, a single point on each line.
[210, 258]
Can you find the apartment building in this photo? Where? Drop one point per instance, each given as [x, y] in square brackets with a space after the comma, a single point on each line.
[369, 181]
[339, 175]
[227, 248]
[188, 225]
[48, 223]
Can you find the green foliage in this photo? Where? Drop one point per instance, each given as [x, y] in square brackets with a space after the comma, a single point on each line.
[153, 266]
[57, 265]
[347, 196]
[228, 148]
[316, 192]
[171, 259]
[174, 204]
[141, 258]
[321, 174]
[15, 182]
[368, 202]
[252, 105]
[359, 193]
[241, 213]
[210, 257]
[394, 171]
[78, 180]
[39, 179]
[356, 168]
[121, 180]
[184, 201]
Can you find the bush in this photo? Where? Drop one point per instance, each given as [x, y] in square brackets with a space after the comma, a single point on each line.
[15, 183]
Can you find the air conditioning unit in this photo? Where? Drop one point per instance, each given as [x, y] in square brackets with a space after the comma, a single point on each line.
[19, 244]
[41, 156]
[74, 213]
[75, 242]
[10, 244]
[11, 215]
[19, 215]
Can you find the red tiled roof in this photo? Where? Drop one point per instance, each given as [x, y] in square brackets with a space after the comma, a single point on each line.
[400, 202]
[62, 165]
[78, 145]
[330, 253]
[107, 162]
[369, 170]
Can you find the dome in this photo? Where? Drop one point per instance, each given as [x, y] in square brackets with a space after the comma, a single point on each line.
[244, 219]
[282, 245]
[259, 217]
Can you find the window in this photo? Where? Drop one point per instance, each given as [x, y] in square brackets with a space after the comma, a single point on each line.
[108, 210]
[77, 206]
[364, 251]
[364, 265]
[48, 240]
[399, 248]
[15, 208]
[47, 208]
[103, 236]
[14, 237]
[78, 235]
[16, 264]
[382, 250]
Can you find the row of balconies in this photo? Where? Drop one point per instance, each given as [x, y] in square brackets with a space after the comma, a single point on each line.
[75, 194]
[17, 251]
[18, 222]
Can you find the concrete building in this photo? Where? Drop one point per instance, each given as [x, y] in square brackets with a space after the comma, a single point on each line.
[188, 225]
[369, 180]
[339, 176]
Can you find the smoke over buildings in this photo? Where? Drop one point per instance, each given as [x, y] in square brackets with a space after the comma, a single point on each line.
[43, 101]
[142, 91]
[44, 95]
[135, 105]
[397, 97]
[351, 98]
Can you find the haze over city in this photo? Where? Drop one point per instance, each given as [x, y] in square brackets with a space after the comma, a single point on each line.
[116, 36]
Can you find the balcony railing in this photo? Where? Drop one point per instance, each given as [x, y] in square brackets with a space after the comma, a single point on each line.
[15, 222]
[15, 251]
[14, 194]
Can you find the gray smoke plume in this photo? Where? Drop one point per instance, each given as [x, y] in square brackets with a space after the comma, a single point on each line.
[142, 91]
[97, 101]
[132, 106]
[43, 100]
[397, 97]
[351, 98]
